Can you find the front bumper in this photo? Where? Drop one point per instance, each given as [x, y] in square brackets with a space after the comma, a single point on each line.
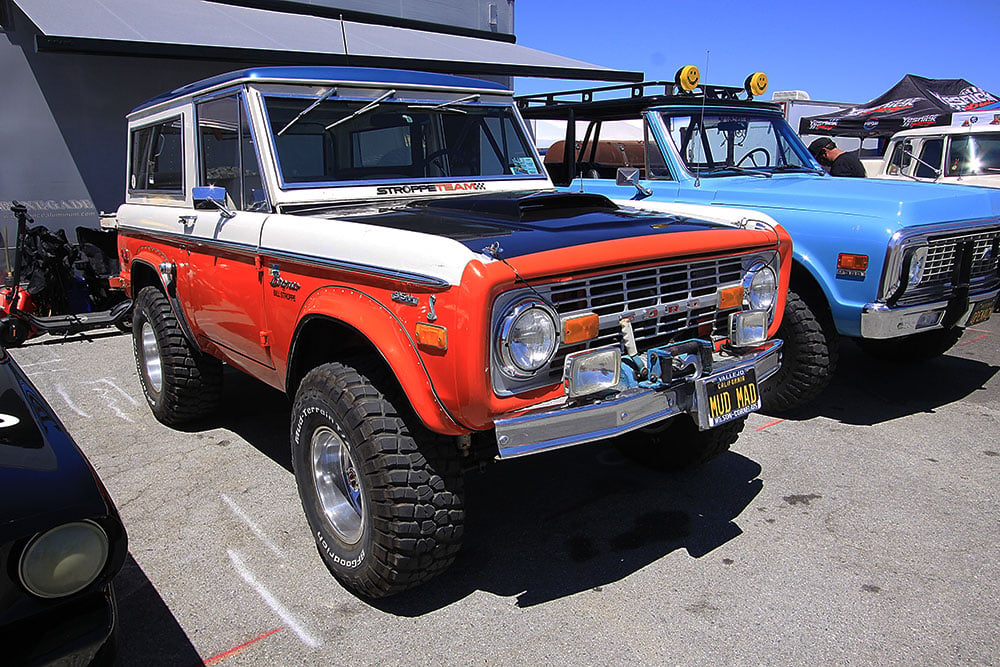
[561, 424]
[880, 321]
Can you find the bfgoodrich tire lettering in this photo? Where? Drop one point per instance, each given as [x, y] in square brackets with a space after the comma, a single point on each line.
[382, 494]
[179, 383]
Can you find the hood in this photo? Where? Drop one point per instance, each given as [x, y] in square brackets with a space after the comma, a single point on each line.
[525, 223]
[44, 476]
[904, 203]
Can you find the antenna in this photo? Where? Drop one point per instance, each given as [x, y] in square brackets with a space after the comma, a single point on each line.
[343, 33]
[701, 122]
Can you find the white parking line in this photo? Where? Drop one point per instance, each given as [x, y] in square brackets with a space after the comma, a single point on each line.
[238, 511]
[72, 406]
[290, 621]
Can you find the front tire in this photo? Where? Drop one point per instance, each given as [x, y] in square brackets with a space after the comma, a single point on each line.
[381, 493]
[678, 443]
[180, 384]
[809, 357]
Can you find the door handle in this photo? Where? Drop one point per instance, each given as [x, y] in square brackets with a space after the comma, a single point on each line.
[187, 219]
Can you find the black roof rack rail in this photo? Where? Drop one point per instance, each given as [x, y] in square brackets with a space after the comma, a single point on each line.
[637, 91]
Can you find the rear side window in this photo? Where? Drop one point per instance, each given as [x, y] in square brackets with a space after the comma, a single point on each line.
[157, 158]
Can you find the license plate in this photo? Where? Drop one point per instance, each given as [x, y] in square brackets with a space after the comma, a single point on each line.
[731, 395]
[980, 313]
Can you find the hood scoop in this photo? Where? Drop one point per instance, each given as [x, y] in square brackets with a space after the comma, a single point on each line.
[520, 207]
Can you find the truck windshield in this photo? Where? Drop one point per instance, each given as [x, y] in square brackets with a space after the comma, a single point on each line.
[973, 154]
[727, 143]
[390, 140]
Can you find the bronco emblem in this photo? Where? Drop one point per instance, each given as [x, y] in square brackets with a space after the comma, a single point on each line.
[278, 281]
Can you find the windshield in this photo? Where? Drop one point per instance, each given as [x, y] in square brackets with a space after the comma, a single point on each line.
[973, 154]
[337, 141]
[723, 143]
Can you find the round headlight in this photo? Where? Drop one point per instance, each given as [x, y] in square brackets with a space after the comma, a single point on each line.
[528, 339]
[917, 262]
[760, 287]
[64, 560]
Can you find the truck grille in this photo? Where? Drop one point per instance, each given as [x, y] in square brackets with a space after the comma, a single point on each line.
[944, 253]
[668, 303]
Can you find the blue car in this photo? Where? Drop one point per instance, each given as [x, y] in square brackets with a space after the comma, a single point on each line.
[901, 267]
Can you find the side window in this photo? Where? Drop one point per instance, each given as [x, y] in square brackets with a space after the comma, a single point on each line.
[654, 157]
[930, 159]
[227, 154]
[157, 158]
[896, 160]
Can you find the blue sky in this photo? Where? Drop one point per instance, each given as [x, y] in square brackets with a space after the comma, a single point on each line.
[836, 50]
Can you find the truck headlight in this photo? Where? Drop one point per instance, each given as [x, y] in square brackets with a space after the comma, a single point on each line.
[527, 339]
[64, 560]
[760, 287]
[918, 260]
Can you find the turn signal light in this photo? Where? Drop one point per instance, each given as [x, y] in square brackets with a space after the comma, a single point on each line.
[432, 336]
[854, 262]
[731, 297]
[580, 328]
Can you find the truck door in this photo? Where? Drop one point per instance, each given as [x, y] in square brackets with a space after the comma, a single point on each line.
[224, 273]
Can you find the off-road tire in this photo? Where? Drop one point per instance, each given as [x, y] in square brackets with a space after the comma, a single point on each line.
[403, 483]
[679, 444]
[808, 360]
[188, 384]
[912, 349]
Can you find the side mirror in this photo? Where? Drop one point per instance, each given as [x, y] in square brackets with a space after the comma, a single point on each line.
[630, 176]
[907, 154]
[212, 196]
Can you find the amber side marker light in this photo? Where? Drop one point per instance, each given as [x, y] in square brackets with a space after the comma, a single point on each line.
[432, 335]
[853, 262]
[731, 297]
[580, 328]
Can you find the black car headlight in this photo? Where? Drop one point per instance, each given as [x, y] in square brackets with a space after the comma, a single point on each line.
[527, 338]
[64, 560]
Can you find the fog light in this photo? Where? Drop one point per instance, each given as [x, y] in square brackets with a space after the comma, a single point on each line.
[591, 371]
[64, 560]
[928, 319]
[748, 328]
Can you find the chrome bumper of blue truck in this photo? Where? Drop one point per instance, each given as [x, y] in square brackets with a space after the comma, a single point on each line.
[563, 423]
[880, 321]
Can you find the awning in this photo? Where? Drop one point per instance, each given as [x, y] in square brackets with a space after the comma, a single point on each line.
[202, 29]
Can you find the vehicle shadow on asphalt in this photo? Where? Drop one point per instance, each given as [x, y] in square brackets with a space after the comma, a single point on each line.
[557, 524]
[148, 633]
[866, 391]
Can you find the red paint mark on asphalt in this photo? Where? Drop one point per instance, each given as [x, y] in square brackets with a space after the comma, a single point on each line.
[769, 424]
[985, 331]
[970, 342]
[233, 651]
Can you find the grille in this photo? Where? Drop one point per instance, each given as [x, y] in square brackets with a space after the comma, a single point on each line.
[942, 257]
[670, 303]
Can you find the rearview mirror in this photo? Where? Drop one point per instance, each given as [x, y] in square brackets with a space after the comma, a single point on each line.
[630, 176]
[211, 196]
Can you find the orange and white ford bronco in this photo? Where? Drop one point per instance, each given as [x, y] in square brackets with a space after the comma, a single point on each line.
[386, 247]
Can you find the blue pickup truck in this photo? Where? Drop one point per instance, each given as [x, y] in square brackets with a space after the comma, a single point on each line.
[902, 267]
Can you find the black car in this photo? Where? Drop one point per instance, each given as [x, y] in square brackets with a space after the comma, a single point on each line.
[61, 539]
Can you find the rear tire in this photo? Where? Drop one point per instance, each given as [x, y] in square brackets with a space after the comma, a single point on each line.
[179, 384]
[912, 349]
[382, 494]
[678, 443]
[808, 360]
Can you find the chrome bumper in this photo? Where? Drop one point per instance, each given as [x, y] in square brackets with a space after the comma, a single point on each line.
[880, 321]
[558, 424]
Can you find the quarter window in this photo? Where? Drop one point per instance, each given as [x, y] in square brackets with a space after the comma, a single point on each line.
[157, 158]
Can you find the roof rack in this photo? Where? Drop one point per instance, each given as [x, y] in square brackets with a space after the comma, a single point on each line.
[637, 92]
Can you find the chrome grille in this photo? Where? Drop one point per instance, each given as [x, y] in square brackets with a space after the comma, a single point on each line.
[942, 257]
[641, 291]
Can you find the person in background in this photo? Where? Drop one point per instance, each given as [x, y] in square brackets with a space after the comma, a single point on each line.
[840, 163]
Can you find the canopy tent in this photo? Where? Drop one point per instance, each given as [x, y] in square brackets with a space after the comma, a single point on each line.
[913, 102]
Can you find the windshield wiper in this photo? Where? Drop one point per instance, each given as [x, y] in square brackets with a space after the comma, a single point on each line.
[738, 170]
[365, 109]
[449, 104]
[797, 167]
[325, 96]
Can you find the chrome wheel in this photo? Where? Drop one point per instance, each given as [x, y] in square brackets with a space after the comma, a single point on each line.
[337, 484]
[151, 362]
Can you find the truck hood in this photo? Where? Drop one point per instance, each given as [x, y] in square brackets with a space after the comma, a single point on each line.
[525, 223]
[905, 204]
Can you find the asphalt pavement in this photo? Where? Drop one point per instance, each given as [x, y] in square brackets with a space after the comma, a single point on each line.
[863, 532]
